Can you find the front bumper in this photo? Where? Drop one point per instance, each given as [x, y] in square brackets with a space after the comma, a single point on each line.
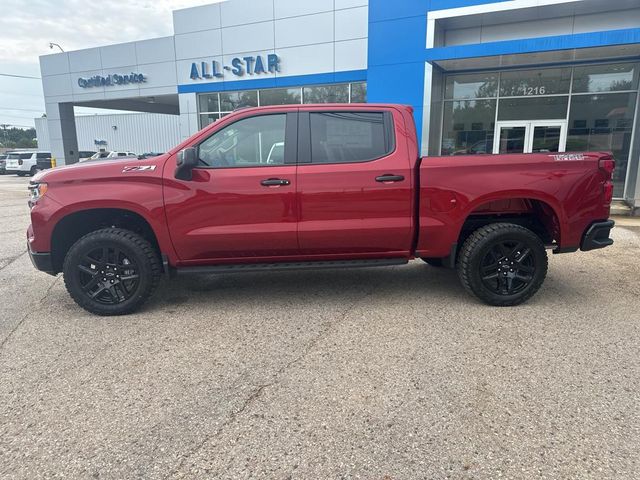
[597, 236]
[42, 261]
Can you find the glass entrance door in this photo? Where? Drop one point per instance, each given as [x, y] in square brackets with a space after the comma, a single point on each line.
[511, 138]
[530, 136]
[545, 136]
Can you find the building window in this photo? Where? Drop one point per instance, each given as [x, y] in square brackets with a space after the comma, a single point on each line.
[214, 106]
[358, 93]
[280, 96]
[482, 85]
[606, 78]
[326, 94]
[229, 101]
[534, 83]
[542, 108]
[604, 122]
[594, 105]
[468, 127]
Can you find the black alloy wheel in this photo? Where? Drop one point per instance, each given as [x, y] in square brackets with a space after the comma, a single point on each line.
[503, 264]
[111, 271]
[508, 267]
[108, 276]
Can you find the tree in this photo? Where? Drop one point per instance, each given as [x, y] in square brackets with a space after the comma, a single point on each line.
[18, 137]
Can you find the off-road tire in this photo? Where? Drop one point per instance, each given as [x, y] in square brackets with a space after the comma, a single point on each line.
[477, 247]
[142, 253]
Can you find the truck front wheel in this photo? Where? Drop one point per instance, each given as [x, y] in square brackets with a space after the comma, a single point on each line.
[503, 264]
[111, 271]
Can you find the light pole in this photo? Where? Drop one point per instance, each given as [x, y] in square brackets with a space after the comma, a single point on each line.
[52, 44]
[4, 131]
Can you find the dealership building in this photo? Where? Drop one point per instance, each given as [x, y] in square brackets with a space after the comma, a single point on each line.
[482, 76]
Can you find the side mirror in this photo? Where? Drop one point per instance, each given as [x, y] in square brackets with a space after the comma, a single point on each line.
[187, 161]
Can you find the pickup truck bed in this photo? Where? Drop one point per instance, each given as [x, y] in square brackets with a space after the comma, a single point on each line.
[564, 193]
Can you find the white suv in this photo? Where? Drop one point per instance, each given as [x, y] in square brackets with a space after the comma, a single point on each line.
[28, 163]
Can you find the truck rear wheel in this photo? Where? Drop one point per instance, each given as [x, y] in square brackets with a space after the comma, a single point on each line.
[503, 264]
[111, 271]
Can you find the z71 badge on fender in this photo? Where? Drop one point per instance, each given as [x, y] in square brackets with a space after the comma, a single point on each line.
[568, 157]
[138, 168]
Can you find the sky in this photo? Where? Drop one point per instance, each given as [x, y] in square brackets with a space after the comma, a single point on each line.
[27, 27]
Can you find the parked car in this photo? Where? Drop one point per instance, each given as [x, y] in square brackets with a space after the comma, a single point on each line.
[349, 190]
[149, 155]
[3, 164]
[109, 155]
[28, 163]
[85, 155]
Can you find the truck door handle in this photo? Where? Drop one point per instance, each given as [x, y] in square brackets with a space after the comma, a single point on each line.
[389, 178]
[274, 182]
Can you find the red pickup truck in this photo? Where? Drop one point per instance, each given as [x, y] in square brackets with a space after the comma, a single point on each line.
[322, 186]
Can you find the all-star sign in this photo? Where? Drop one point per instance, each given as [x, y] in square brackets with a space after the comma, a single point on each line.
[240, 66]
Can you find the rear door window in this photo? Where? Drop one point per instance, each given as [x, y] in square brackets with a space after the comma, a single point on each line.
[346, 137]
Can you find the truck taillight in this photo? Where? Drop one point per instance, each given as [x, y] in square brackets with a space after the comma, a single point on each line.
[607, 165]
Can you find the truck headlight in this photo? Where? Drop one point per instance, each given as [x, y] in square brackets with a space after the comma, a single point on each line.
[36, 192]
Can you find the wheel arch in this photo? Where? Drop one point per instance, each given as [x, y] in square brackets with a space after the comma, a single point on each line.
[538, 212]
[74, 225]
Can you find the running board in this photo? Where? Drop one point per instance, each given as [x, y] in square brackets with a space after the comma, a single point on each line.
[283, 266]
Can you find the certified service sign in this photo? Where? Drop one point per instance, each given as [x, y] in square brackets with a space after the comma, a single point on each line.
[111, 80]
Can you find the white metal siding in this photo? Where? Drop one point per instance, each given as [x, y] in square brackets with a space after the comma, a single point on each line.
[136, 132]
[42, 134]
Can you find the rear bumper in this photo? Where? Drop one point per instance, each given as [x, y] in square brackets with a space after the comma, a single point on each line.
[597, 236]
[42, 261]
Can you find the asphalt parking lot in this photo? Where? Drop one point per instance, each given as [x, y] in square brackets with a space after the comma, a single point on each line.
[390, 373]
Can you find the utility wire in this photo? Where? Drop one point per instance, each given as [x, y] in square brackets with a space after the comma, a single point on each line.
[21, 109]
[19, 76]
[8, 115]
[20, 94]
